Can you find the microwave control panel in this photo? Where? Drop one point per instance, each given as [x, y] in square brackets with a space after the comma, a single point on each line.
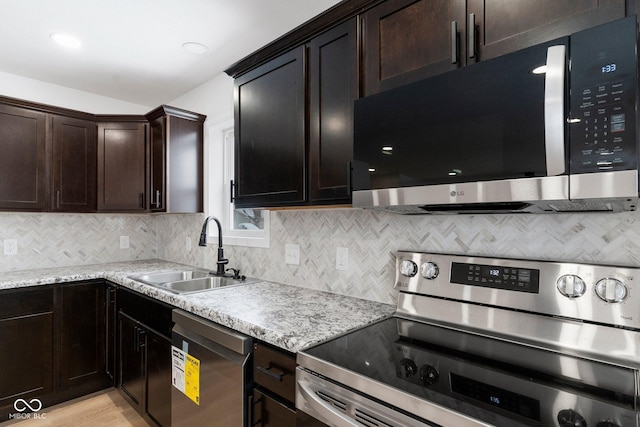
[603, 83]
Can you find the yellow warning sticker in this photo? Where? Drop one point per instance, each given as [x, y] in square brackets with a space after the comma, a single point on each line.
[192, 379]
[186, 374]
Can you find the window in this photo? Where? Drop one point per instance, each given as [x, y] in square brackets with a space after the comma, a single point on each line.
[241, 227]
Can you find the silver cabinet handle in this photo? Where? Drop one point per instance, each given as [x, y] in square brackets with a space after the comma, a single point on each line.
[454, 42]
[58, 199]
[554, 110]
[157, 198]
[472, 35]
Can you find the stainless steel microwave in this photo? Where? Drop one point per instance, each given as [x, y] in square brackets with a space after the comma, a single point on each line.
[550, 128]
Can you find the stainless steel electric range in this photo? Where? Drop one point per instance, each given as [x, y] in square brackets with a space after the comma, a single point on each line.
[486, 342]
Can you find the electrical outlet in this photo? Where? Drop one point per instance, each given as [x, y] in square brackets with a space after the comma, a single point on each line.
[187, 244]
[342, 259]
[124, 242]
[10, 246]
[292, 254]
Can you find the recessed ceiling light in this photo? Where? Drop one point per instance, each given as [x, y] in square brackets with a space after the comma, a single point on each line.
[195, 48]
[65, 40]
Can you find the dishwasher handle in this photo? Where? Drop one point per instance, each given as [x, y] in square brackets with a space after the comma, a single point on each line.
[225, 337]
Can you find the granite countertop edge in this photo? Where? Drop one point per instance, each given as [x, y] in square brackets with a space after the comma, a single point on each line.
[289, 317]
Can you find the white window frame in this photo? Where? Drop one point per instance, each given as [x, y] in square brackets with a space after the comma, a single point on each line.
[219, 202]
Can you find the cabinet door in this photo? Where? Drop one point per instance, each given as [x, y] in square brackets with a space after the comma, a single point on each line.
[27, 350]
[82, 334]
[333, 81]
[270, 152]
[121, 167]
[505, 26]
[158, 164]
[110, 334]
[74, 165]
[407, 40]
[185, 166]
[158, 385]
[268, 412]
[131, 348]
[23, 167]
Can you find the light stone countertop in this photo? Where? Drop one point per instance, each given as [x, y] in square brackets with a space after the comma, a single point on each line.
[286, 316]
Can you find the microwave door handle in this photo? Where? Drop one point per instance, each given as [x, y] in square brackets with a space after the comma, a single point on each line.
[554, 94]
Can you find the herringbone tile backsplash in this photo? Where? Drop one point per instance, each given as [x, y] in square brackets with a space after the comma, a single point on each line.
[372, 236]
[47, 240]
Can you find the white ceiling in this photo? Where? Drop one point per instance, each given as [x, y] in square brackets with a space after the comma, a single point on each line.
[131, 49]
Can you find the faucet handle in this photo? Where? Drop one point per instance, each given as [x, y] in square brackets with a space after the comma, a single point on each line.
[236, 273]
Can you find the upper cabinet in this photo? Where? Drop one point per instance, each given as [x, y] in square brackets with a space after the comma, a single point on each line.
[333, 85]
[270, 150]
[294, 124]
[176, 160]
[407, 40]
[122, 174]
[73, 171]
[23, 163]
[59, 160]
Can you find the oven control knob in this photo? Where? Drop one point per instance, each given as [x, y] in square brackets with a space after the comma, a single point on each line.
[571, 286]
[611, 290]
[408, 368]
[429, 270]
[429, 375]
[408, 268]
[570, 418]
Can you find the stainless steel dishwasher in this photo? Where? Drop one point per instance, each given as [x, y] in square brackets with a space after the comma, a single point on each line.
[210, 368]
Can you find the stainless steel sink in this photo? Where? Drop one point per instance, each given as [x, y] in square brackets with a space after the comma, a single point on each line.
[189, 281]
[204, 284]
[170, 276]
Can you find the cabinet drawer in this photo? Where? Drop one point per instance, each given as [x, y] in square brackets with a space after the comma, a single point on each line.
[268, 412]
[275, 371]
[25, 301]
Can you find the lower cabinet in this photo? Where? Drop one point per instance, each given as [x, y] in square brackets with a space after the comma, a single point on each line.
[274, 376]
[144, 328]
[53, 344]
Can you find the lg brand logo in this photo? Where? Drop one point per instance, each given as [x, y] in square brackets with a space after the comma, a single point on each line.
[456, 193]
[21, 405]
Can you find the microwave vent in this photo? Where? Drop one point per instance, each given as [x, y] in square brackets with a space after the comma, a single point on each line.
[582, 206]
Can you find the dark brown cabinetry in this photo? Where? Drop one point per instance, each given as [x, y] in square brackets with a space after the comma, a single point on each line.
[122, 151]
[145, 355]
[270, 157]
[23, 163]
[176, 160]
[82, 334]
[73, 172]
[274, 375]
[274, 115]
[28, 345]
[406, 40]
[53, 343]
[333, 83]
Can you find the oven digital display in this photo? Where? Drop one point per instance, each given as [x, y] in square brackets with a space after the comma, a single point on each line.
[497, 397]
[495, 276]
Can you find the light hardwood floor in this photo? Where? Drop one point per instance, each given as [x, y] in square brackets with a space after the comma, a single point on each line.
[102, 409]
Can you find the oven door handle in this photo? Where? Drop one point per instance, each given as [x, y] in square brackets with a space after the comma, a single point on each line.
[323, 408]
[554, 120]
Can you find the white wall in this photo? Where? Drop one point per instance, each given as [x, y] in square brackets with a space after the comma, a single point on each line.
[60, 96]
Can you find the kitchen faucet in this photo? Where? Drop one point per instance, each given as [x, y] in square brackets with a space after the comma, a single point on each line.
[222, 261]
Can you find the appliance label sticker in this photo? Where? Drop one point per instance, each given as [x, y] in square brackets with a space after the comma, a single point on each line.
[185, 374]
